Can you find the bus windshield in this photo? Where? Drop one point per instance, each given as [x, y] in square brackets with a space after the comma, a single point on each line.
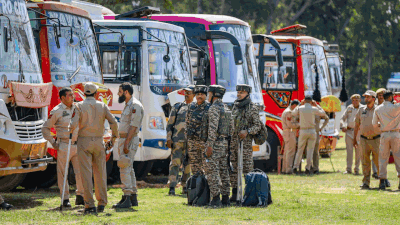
[334, 69]
[314, 55]
[19, 62]
[76, 54]
[177, 71]
[228, 73]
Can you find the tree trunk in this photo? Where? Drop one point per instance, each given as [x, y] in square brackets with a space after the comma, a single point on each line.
[371, 49]
[221, 9]
[199, 5]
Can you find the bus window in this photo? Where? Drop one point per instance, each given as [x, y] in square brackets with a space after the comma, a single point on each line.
[110, 65]
[284, 80]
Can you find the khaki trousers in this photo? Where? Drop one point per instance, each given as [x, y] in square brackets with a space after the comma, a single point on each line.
[61, 161]
[389, 142]
[316, 152]
[369, 147]
[92, 160]
[306, 138]
[289, 137]
[127, 174]
[349, 150]
[1, 200]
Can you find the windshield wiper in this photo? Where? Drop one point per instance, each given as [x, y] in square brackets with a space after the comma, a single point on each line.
[74, 74]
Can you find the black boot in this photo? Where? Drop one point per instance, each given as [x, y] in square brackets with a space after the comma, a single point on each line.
[225, 200]
[90, 211]
[124, 203]
[134, 201]
[387, 183]
[382, 184]
[171, 191]
[216, 202]
[66, 204]
[79, 200]
[234, 195]
[5, 206]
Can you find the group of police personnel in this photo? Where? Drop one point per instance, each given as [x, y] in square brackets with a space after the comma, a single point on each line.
[208, 132]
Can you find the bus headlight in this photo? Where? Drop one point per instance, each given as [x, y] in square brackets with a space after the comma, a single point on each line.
[155, 122]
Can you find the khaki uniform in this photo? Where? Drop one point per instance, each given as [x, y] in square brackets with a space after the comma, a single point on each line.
[307, 136]
[131, 116]
[388, 116]
[289, 137]
[348, 120]
[318, 129]
[369, 140]
[59, 118]
[90, 115]
[176, 133]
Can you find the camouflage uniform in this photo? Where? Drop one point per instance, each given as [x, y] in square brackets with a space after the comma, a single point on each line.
[216, 166]
[176, 133]
[243, 118]
[196, 134]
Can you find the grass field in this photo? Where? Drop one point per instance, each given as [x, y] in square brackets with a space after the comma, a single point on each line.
[331, 197]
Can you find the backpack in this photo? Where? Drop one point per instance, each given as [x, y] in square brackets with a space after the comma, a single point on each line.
[198, 191]
[258, 189]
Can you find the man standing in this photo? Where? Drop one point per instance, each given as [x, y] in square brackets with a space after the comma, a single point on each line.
[4, 205]
[347, 123]
[59, 118]
[307, 113]
[289, 136]
[369, 136]
[379, 101]
[244, 123]
[90, 116]
[387, 117]
[216, 165]
[318, 129]
[177, 142]
[131, 121]
[195, 133]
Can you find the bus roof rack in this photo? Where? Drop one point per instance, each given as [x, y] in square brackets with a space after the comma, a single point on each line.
[140, 12]
[290, 29]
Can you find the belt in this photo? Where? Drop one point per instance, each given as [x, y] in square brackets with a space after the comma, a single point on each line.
[391, 131]
[126, 135]
[312, 128]
[348, 128]
[370, 138]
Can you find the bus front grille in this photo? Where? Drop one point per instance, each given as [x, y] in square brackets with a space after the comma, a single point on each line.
[28, 131]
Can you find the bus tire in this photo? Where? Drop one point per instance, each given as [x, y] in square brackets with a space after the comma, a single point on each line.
[41, 179]
[270, 164]
[142, 168]
[161, 167]
[10, 182]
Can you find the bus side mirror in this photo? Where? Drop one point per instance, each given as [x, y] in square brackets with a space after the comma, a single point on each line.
[237, 53]
[275, 44]
[127, 61]
[5, 39]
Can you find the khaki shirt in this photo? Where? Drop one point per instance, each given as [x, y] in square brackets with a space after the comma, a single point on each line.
[349, 116]
[307, 114]
[90, 115]
[131, 116]
[364, 119]
[288, 122]
[388, 115]
[318, 120]
[59, 118]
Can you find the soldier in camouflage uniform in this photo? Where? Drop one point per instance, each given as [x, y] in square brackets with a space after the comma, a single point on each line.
[195, 133]
[245, 122]
[177, 142]
[216, 164]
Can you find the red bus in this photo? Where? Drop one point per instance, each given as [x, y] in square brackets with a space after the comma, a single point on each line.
[69, 57]
[294, 80]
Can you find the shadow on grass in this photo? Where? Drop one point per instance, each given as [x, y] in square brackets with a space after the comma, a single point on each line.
[57, 209]
[23, 202]
[387, 190]
[126, 210]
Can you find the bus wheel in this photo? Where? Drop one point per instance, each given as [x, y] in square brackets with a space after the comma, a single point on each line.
[10, 182]
[161, 167]
[272, 146]
[41, 179]
[142, 168]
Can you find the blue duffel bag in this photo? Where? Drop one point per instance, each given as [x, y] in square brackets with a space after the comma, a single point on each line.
[258, 189]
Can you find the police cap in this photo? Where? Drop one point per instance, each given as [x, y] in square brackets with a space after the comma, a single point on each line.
[217, 90]
[355, 96]
[90, 88]
[189, 88]
[308, 97]
[200, 89]
[381, 90]
[243, 87]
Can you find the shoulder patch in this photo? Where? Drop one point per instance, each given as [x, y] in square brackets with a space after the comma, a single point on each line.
[65, 113]
[133, 110]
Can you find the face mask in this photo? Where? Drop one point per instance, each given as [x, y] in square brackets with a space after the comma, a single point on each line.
[122, 98]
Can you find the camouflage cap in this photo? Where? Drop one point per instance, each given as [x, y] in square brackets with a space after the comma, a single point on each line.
[381, 90]
[243, 87]
[90, 88]
[370, 93]
[189, 88]
[355, 96]
[201, 89]
[217, 90]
